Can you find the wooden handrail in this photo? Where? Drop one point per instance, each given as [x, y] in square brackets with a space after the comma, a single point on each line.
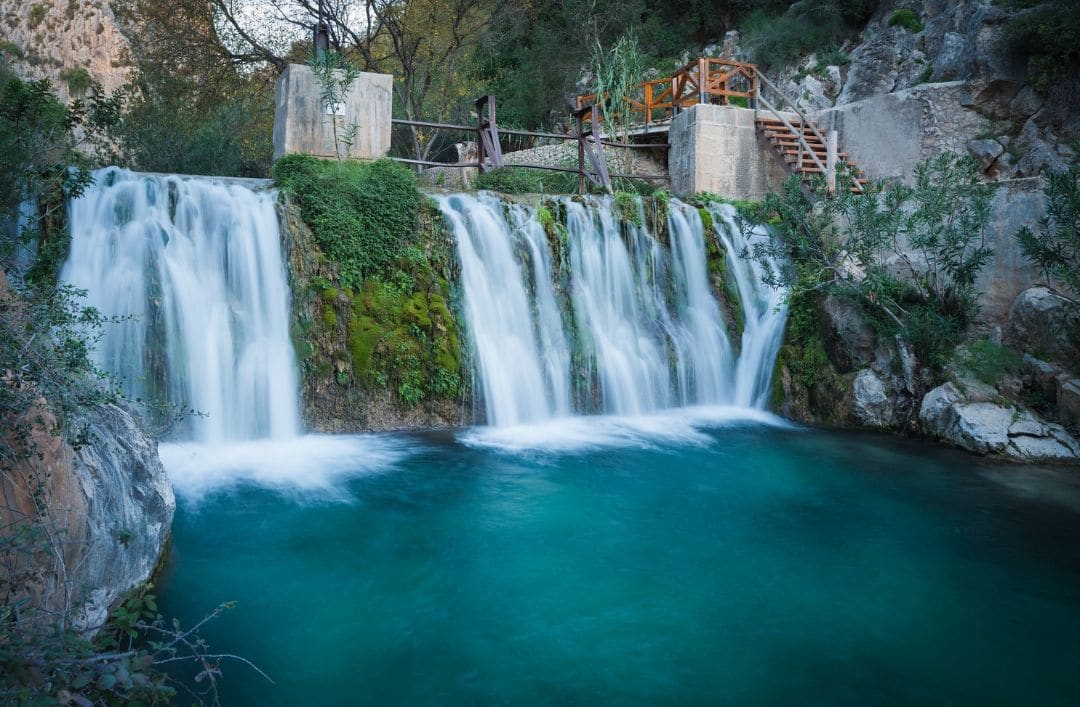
[696, 81]
[804, 146]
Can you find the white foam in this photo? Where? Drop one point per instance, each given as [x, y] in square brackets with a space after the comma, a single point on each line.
[682, 426]
[310, 464]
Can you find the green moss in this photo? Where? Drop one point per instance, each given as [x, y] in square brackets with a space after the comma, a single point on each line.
[706, 220]
[906, 18]
[329, 317]
[329, 294]
[626, 207]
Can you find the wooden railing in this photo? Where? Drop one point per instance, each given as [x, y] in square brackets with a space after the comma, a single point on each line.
[592, 164]
[704, 80]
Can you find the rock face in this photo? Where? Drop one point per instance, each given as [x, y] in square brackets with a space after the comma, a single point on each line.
[870, 402]
[1044, 322]
[107, 504]
[51, 38]
[990, 427]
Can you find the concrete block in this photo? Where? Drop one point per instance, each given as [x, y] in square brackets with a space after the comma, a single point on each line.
[716, 149]
[302, 123]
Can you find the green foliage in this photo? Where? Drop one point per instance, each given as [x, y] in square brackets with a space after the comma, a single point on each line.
[362, 214]
[804, 350]
[522, 180]
[78, 80]
[172, 124]
[990, 362]
[1055, 246]
[628, 208]
[36, 15]
[1047, 35]
[777, 37]
[927, 74]
[9, 48]
[847, 244]
[906, 18]
[616, 75]
[335, 73]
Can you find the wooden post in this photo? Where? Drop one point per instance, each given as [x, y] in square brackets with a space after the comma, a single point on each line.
[703, 80]
[648, 104]
[580, 117]
[830, 162]
[480, 134]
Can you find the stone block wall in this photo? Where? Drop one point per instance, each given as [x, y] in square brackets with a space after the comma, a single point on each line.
[302, 123]
[716, 149]
[887, 135]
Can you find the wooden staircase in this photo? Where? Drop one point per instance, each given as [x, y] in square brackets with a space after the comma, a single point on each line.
[785, 141]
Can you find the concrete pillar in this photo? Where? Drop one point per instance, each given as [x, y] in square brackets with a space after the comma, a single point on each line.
[303, 124]
[716, 149]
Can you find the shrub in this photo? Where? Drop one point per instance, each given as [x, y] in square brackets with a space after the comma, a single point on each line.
[1047, 35]
[850, 244]
[362, 214]
[990, 362]
[906, 18]
[809, 26]
[1055, 247]
[78, 80]
[37, 14]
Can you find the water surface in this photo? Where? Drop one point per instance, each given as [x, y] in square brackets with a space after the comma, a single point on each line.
[665, 560]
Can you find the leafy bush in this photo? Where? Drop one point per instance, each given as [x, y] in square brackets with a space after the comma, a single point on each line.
[851, 244]
[78, 80]
[1047, 35]
[172, 125]
[36, 15]
[906, 18]
[1056, 245]
[810, 26]
[362, 214]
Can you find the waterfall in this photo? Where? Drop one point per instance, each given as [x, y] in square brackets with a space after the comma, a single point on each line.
[522, 353]
[640, 320]
[195, 266]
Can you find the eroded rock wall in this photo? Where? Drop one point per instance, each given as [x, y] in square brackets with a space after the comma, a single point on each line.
[50, 38]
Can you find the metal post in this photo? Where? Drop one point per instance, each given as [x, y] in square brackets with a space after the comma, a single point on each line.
[830, 161]
[321, 39]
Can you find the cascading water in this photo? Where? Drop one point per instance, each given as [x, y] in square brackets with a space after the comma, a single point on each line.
[641, 321]
[196, 266]
[522, 353]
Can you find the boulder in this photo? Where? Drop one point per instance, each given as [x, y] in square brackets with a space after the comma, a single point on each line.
[871, 405]
[990, 427]
[985, 151]
[1047, 324]
[848, 335]
[1068, 401]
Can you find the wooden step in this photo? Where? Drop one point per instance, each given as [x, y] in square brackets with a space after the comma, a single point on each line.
[819, 153]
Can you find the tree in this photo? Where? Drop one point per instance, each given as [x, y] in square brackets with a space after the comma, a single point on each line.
[1055, 247]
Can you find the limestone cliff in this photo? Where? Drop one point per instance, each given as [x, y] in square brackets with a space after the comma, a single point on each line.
[58, 39]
